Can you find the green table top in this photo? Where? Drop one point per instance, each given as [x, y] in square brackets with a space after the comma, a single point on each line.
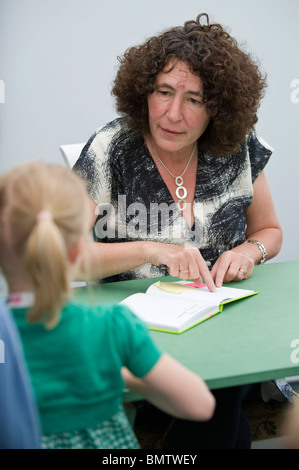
[250, 341]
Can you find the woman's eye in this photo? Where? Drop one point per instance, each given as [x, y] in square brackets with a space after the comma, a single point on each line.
[163, 92]
[194, 101]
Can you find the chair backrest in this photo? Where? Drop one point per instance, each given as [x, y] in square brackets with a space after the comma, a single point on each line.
[71, 153]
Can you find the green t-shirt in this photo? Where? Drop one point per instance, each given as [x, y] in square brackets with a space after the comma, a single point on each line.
[75, 367]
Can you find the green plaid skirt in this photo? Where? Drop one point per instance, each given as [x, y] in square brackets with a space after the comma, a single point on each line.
[116, 433]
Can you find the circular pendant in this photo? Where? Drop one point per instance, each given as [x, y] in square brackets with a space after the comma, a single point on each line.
[183, 207]
[177, 192]
[179, 181]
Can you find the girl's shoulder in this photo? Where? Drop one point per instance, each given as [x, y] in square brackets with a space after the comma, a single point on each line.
[106, 313]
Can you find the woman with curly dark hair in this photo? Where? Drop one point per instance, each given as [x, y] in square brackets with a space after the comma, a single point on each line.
[180, 174]
[176, 183]
[232, 85]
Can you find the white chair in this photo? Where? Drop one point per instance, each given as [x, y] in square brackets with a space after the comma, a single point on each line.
[71, 153]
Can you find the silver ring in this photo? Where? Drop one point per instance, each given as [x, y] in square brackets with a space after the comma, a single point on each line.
[184, 270]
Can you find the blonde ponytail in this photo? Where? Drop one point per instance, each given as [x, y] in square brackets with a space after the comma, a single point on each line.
[46, 211]
[46, 261]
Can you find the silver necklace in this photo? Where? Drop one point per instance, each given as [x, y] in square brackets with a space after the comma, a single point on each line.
[182, 204]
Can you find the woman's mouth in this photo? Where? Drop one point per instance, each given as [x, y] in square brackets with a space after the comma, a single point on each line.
[171, 132]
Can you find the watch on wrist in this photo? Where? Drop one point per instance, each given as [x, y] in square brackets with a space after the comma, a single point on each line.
[262, 250]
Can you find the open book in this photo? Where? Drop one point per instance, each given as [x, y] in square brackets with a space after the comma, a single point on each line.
[175, 307]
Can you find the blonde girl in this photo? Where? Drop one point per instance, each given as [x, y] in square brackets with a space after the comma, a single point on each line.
[80, 357]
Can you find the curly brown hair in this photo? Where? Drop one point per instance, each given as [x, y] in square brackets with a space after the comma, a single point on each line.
[233, 85]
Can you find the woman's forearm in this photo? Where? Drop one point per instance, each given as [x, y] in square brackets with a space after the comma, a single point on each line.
[271, 238]
[102, 260]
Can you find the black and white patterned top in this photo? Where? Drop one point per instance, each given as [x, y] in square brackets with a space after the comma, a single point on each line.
[135, 204]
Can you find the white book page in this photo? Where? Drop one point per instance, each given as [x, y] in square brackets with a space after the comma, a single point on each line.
[168, 313]
[181, 289]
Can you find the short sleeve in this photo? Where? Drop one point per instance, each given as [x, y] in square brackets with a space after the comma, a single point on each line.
[92, 168]
[139, 351]
[85, 165]
[94, 163]
[259, 154]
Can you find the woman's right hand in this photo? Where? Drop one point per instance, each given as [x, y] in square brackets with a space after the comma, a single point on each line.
[182, 262]
[100, 260]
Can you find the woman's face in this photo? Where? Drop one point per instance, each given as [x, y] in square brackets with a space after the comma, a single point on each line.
[177, 115]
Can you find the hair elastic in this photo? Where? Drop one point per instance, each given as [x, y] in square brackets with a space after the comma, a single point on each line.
[44, 215]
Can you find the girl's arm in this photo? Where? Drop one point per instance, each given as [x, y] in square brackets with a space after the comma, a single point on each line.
[174, 389]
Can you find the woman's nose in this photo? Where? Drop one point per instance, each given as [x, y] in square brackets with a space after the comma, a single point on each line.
[175, 110]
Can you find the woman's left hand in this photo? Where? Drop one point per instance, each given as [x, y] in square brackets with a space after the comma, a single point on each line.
[261, 224]
[232, 266]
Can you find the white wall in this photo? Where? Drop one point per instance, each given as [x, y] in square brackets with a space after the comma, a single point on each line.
[58, 59]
